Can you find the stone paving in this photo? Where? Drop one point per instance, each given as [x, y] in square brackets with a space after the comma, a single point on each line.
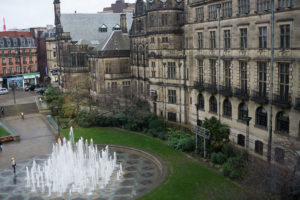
[22, 97]
[140, 175]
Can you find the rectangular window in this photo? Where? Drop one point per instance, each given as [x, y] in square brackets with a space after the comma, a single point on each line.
[227, 9]
[244, 6]
[243, 32]
[25, 69]
[165, 39]
[152, 64]
[4, 70]
[3, 61]
[259, 147]
[30, 59]
[200, 40]
[30, 69]
[172, 116]
[17, 60]
[227, 73]
[227, 39]
[18, 68]
[199, 14]
[262, 78]
[172, 96]
[11, 71]
[243, 75]
[212, 11]
[263, 33]
[285, 36]
[152, 40]
[164, 19]
[285, 3]
[263, 5]
[10, 61]
[171, 70]
[114, 85]
[201, 71]
[24, 60]
[152, 20]
[153, 74]
[54, 54]
[284, 80]
[213, 72]
[212, 39]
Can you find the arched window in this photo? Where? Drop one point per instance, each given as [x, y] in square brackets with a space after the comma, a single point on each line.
[241, 140]
[261, 117]
[243, 112]
[282, 122]
[227, 109]
[213, 107]
[200, 102]
[259, 147]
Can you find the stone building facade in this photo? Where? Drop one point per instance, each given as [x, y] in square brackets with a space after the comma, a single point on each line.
[174, 55]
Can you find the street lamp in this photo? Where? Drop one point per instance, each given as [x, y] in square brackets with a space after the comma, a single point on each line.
[57, 110]
[247, 119]
[13, 89]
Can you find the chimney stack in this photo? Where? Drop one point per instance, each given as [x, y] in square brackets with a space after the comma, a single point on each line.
[4, 26]
[123, 23]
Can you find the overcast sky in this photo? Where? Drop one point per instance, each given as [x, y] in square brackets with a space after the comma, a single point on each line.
[32, 13]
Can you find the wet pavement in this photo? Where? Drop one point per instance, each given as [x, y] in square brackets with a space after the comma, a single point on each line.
[36, 138]
[21, 97]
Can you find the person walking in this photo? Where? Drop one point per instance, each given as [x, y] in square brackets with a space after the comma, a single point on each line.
[13, 164]
[22, 115]
[2, 110]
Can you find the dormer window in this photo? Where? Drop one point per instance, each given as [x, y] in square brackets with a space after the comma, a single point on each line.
[116, 27]
[103, 28]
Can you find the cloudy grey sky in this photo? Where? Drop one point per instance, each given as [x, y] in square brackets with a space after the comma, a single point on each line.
[33, 13]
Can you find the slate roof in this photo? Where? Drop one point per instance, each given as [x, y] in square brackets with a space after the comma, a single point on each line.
[25, 42]
[84, 28]
[115, 41]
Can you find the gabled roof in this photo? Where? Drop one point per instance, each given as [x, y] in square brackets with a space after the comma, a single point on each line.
[116, 41]
[85, 27]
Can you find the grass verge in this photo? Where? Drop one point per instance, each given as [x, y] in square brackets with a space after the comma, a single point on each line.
[3, 132]
[186, 179]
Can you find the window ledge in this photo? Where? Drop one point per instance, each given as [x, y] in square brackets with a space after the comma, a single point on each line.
[241, 121]
[215, 113]
[281, 133]
[261, 127]
[227, 117]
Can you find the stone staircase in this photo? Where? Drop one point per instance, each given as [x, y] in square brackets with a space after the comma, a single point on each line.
[13, 110]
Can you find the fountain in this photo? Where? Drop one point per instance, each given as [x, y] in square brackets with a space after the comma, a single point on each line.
[73, 168]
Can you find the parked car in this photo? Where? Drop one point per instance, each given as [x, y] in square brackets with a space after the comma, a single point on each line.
[30, 88]
[40, 90]
[3, 91]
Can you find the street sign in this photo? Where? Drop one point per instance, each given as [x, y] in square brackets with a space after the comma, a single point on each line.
[204, 133]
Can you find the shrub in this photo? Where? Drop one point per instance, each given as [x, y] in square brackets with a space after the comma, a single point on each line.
[156, 124]
[83, 119]
[162, 135]
[68, 111]
[186, 144]
[234, 168]
[228, 151]
[218, 158]
[180, 140]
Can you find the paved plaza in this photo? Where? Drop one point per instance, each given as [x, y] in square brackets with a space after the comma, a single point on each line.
[21, 96]
[36, 138]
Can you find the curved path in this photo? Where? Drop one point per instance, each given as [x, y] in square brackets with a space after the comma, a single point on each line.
[36, 138]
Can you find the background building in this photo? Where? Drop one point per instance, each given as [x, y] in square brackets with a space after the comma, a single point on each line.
[120, 7]
[18, 64]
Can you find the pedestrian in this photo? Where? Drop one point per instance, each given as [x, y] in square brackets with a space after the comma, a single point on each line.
[13, 164]
[22, 115]
[0, 146]
[2, 110]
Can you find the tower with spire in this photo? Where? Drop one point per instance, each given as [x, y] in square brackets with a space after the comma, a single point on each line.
[57, 22]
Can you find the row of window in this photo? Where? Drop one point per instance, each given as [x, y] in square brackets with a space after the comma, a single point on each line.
[10, 70]
[17, 60]
[114, 85]
[244, 8]
[261, 116]
[259, 148]
[262, 71]
[16, 52]
[284, 43]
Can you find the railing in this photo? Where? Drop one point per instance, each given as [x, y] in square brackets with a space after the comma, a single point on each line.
[211, 87]
[199, 85]
[259, 97]
[241, 93]
[297, 103]
[282, 101]
[225, 90]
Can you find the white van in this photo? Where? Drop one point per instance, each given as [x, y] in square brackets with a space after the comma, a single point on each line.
[3, 91]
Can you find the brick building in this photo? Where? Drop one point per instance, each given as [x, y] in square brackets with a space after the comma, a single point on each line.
[18, 62]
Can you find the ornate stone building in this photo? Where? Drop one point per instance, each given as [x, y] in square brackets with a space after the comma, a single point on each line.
[175, 63]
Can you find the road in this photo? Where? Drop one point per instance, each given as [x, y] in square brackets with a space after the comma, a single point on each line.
[22, 97]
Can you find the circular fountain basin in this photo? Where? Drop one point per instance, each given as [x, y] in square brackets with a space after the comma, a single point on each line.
[142, 172]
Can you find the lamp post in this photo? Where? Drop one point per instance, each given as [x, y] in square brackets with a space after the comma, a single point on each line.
[219, 60]
[247, 119]
[57, 109]
[13, 89]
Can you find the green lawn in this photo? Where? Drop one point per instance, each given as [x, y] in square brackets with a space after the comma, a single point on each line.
[186, 179]
[3, 132]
